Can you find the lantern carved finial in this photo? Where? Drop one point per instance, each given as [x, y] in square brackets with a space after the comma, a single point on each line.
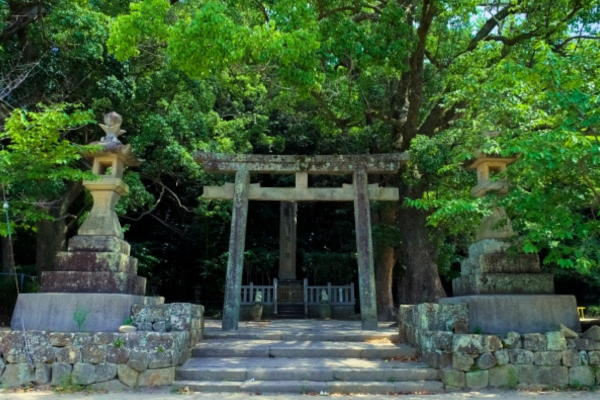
[112, 127]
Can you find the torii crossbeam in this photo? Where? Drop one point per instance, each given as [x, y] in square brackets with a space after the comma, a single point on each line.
[359, 166]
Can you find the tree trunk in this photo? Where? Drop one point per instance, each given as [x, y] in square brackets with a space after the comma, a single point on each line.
[52, 234]
[8, 259]
[421, 281]
[384, 265]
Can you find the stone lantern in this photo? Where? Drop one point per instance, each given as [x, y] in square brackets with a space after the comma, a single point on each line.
[506, 291]
[97, 277]
[487, 166]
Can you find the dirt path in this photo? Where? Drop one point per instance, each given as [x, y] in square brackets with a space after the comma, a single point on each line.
[164, 394]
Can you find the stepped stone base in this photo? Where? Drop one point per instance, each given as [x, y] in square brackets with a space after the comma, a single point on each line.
[497, 314]
[503, 283]
[56, 311]
[92, 282]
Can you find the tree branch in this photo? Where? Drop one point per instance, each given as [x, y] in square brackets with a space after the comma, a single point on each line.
[262, 9]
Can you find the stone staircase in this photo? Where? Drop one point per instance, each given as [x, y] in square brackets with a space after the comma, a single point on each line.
[266, 362]
[290, 311]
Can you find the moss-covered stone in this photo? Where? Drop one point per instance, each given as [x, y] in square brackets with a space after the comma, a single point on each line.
[477, 379]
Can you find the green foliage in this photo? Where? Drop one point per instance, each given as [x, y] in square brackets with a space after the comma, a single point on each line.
[67, 386]
[119, 342]
[80, 317]
[337, 268]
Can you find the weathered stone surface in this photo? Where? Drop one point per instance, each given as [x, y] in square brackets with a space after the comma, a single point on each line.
[83, 373]
[144, 327]
[43, 373]
[548, 358]
[502, 357]
[488, 246]
[438, 317]
[463, 361]
[453, 379]
[502, 263]
[106, 311]
[486, 361]
[435, 358]
[534, 342]
[477, 379]
[93, 354]
[138, 360]
[104, 338]
[92, 282]
[160, 359]
[95, 262]
[521, 356]
[116, 354]
[519, 313]
[159, 326]
[127, 375]
[60, 373]
[61, 339]
[467, 344]
[571, 358]
[15, 356]
[568, 333]
[82, 339]
[2, 367]
[571, 344]
[106, 372]
[491, 343]
[533, 374]
[502, 283]
[581, 376]
[68, 355]
[593, 333]
[583, 355]
[16, 375]
[585, 344]
[111, 386]
[505, 376]
[512, 340]
[594, 357]
[442, 340]
[109, 244]
[157, 377]
[555, 341]
[43, 354]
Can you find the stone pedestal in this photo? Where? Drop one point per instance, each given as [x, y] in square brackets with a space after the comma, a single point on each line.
[508, 293]
[95, 264]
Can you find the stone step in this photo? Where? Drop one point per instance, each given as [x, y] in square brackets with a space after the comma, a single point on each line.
[300, 349]
[311, 387]
[329, 336]
[301, 369]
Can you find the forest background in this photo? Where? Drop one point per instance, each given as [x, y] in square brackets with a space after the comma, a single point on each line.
[438, 78]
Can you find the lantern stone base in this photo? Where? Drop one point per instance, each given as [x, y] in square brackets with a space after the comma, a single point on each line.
[97, 312]
[504, 283]
[95, 264]
[92, 282]
[495, 314]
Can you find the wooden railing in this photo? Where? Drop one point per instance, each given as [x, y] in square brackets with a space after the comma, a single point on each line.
[338, 295]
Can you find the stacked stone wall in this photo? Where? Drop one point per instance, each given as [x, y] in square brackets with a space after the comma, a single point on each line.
[105, 360]
[536, 360]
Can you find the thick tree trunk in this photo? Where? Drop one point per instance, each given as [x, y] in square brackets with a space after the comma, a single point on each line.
[421, 281]
[384, 265]
[52, 234]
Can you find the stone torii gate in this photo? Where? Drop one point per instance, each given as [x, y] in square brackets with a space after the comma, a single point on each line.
[242, 165]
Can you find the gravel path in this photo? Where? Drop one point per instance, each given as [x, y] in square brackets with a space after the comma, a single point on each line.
[163, 394]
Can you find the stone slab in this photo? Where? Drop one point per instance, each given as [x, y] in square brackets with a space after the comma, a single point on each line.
[99, 244]
[55, 311]
[95, 262]
[503, 284]
[496, 314]
[501, 263]
[92, 282]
